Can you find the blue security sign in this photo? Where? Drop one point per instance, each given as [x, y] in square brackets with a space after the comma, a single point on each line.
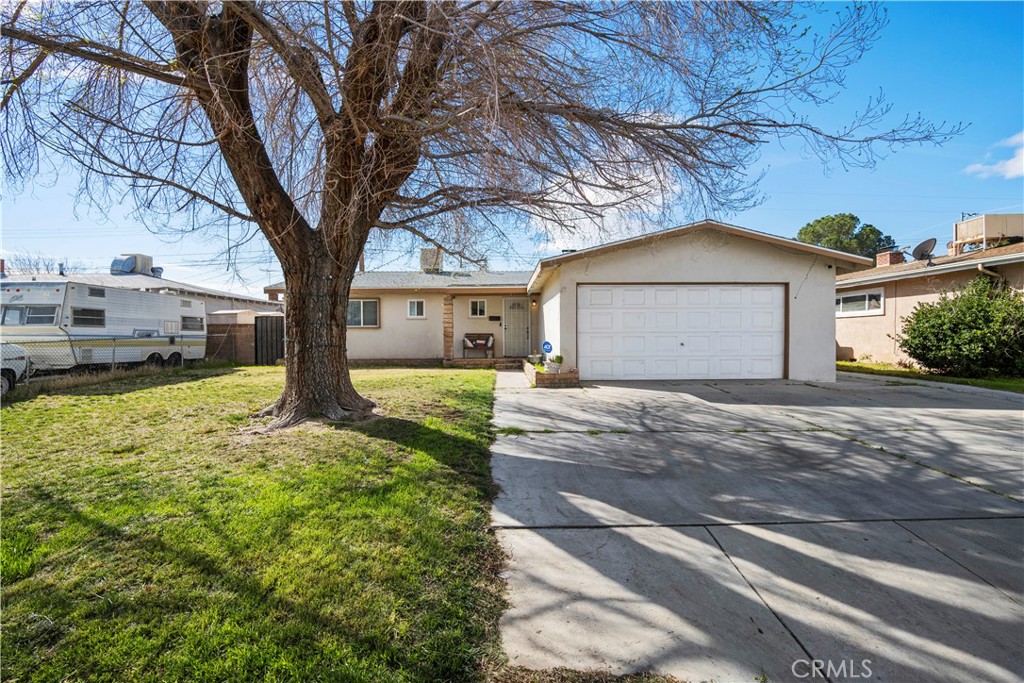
[547, 347]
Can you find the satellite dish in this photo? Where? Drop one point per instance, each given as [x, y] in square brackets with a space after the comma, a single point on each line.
[923, 251]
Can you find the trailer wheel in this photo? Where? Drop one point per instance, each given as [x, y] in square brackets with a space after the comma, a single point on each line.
[155, 359]
[6, 382]
[174, 360]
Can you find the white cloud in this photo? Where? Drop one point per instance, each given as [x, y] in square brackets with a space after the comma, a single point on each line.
[1007, 169]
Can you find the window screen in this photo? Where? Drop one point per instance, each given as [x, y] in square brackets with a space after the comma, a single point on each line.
[88, 317]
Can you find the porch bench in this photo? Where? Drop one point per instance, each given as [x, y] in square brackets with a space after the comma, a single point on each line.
[478, 341]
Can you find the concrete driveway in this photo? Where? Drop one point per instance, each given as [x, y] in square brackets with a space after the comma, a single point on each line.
[728, 530]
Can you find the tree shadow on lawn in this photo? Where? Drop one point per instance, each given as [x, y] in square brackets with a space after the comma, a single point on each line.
[307, 632]
[468, 458]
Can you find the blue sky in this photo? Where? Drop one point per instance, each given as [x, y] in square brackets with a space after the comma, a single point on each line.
[954, 62]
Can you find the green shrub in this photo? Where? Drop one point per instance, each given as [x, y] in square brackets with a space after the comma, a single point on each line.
[978, 332]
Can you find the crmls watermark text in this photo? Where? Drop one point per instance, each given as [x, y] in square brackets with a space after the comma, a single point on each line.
[822, 668]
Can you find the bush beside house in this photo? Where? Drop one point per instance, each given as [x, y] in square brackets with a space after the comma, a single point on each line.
[978, 332]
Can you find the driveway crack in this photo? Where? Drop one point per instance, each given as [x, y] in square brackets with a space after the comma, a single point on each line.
[956, 561]
[760, 597]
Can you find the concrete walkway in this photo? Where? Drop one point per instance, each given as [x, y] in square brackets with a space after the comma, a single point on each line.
[726, 530]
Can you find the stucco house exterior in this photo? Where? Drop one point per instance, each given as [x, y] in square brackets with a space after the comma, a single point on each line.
[701, 301]
[870, 305]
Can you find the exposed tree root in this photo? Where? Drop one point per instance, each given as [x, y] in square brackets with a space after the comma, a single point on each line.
[291, 413]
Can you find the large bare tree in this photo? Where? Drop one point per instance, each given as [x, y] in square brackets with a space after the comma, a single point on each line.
[320, 123]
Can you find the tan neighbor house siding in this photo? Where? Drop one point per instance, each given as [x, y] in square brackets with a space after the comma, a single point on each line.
[873, 337]
[713, 256]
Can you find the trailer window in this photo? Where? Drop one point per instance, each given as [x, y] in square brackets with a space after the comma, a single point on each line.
[29, 315]
[191, 323]
[97, 292]
[88, 317]
[13, 315]
[41, 315]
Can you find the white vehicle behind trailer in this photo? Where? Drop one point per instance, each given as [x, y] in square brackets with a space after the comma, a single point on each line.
[63, 324]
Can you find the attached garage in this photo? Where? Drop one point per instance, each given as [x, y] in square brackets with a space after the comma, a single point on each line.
[701, 302]
[694, 331]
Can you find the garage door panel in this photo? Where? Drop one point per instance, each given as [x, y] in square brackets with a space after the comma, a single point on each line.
[633, 344]
[666, 368]
[730, 344]
[666, 321]
[599, 296]
[666, 344]
[730, 320]
[666, 297]
[730, 296]
[600, 320]
[633, 368]
[634, 320]
[698, 321]
[762, 296]
[708, 332]
[697, 344]
[633, 296]
[600, 344]
[698, 296]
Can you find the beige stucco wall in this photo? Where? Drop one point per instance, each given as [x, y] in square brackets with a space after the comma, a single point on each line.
[399, 336]
[711, 256]
[549, 319]
[873, 337]
[463, 324]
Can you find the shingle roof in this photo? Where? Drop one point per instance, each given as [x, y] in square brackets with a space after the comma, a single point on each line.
[415, 279]
[132, 281]
[961, 261]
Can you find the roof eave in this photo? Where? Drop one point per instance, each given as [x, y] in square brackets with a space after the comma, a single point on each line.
[932, 270]
[840, 256]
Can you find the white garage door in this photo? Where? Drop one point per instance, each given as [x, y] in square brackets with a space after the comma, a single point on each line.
[681, 331]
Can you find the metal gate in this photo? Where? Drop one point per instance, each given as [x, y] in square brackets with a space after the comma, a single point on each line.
[269, 339]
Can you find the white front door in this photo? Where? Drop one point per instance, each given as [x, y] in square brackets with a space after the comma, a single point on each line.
[515, 323]
[681, 331]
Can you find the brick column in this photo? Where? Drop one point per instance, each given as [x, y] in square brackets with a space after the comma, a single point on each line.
[448, 325]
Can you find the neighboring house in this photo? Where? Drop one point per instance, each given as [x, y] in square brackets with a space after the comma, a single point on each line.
[702, 301]
[871, 305]
[136, 271]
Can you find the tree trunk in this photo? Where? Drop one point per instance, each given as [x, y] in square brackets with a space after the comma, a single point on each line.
[317, 381]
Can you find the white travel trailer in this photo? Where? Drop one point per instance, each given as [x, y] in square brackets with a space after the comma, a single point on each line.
[63, 324]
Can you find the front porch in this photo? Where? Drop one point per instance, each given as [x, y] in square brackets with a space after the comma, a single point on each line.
[504, 319]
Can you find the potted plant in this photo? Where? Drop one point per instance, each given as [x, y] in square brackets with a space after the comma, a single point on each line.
[534, 357]
[553, 364]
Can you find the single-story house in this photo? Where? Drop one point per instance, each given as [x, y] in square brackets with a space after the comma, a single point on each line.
[701, 301]
[871, 305]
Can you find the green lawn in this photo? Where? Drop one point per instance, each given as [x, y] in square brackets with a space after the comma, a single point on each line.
[1003, 383]
[150, 534]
